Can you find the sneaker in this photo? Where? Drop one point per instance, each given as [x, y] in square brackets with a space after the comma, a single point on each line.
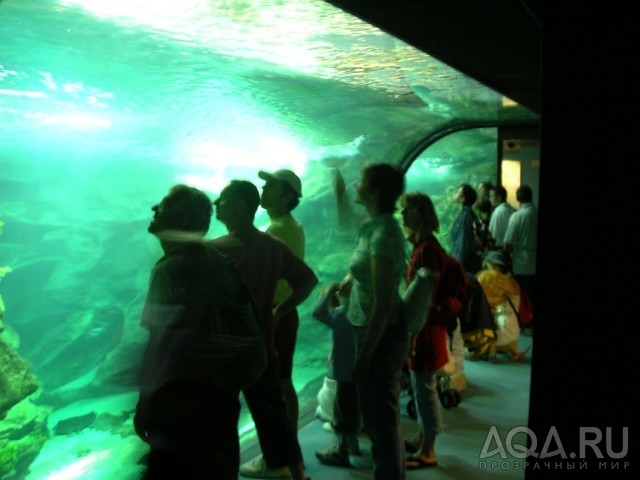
[328, 427]
[334, 456]
[257, 468]
[360, 461]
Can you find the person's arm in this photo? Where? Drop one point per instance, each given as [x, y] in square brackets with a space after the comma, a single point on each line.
[347, 217]
[494, 220]
[299, 294]
[301, 279]
[384, 289]
[321, 310]
[509, 236]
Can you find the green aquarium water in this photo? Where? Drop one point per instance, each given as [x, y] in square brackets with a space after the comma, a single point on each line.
[104, 105]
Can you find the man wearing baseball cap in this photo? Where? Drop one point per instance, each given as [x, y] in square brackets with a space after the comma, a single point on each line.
[280, 195]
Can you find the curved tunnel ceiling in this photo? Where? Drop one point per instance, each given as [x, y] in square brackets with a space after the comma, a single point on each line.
[497, 42]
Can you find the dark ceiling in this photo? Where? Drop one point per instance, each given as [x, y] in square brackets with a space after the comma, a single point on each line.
[496, 42]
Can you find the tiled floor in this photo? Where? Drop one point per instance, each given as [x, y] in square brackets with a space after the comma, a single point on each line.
[497, 395]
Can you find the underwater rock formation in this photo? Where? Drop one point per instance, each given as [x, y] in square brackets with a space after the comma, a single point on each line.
[17, 381]
[23, 433]
[23, 426]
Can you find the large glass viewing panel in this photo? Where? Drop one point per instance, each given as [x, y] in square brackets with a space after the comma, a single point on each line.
[106, 104]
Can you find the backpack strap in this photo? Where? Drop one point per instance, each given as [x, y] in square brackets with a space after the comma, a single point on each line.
[513, 308]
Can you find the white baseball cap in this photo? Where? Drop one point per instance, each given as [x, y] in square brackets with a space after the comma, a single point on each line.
[286, 176]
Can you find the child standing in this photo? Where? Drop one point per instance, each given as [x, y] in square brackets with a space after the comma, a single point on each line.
[331, 309]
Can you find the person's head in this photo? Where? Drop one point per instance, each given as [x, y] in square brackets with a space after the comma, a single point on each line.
[524, 194]
[184, 209]
[484, 208]
[418, 213]
[483, 191]
[497, 260]
[466, 195]
[281, 192]
[380, 186]
[237, 203]
[497, 195]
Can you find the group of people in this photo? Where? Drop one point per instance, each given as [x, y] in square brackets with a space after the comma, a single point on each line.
[189, 417]
[487, 222]
[428, 352]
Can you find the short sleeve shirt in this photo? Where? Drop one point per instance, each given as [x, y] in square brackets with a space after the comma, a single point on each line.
[522, 234]
[499, 221]
[290, 232]
[378, 236]
[262, 260]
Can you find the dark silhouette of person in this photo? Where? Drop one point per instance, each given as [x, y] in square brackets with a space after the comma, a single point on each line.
[377, 267]
[461, 235]
[281, 194]
[189, 384]
[521, 240]
[263, 260]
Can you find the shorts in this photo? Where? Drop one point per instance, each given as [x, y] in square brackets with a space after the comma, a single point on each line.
[285, 336]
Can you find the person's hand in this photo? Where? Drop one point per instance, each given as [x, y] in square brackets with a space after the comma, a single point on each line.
[345, 286]
[330, 289]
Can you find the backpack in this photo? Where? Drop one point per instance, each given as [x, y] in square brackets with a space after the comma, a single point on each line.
[237, 333]
[526, 309]
[525, 312]
[477, 323]
[452, 292]
[450, 298]
[217, 336]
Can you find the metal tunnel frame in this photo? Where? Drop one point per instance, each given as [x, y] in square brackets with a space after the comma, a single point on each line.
[457, 126]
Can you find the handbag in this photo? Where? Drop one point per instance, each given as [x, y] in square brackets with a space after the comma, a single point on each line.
[416, 299]
[525, 313]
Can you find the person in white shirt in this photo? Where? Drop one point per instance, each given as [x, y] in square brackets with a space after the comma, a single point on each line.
[500, 214]
[521, 241]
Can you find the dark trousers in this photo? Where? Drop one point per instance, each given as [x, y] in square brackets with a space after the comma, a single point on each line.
[192, 431]
[277, 436]
[346, 409]
[174, 465]
[379, 403]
